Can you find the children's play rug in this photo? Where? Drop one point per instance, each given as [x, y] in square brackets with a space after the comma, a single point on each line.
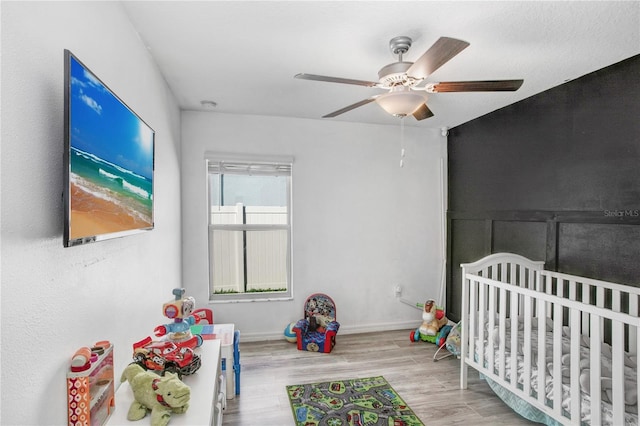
[370, 401]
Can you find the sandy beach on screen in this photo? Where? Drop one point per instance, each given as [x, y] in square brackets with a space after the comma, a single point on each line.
[91, 215]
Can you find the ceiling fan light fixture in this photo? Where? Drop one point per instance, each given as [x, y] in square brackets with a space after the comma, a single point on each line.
[208, 104]
[401, 101]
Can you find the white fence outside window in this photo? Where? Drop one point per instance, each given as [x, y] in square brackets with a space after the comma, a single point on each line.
[260, 254]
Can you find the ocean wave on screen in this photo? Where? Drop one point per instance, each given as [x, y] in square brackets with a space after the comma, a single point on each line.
[98, 160]
[125, 184]
[83, 154]
[107, 175]
[135, 189]
[107, 195]
[92, 189]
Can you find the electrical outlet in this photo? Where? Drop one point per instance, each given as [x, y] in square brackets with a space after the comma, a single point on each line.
[397, 290]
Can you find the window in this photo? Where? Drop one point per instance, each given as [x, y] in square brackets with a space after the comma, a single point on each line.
[249, 227]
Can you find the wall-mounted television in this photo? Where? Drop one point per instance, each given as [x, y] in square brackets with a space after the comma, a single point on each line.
[108, 161]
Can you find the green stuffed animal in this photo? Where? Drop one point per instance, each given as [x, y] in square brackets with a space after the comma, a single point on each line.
[162, 395]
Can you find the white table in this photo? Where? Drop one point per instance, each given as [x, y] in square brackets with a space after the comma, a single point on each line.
[224, 333]
[207, 400]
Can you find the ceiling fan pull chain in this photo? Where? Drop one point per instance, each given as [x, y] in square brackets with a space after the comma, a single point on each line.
[401, 141]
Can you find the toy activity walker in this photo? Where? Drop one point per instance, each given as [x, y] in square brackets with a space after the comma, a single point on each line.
[433, 319]
[435, 328]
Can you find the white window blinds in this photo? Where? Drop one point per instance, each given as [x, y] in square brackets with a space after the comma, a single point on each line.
[253, 169]
[259, 166]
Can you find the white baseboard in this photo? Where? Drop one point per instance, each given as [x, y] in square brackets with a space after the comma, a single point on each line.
[344, 329]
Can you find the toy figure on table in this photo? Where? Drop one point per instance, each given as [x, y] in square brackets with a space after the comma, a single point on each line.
[174, 351]
[162, 396]
[179, 331]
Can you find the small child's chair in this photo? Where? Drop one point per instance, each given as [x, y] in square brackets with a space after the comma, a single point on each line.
[317, 331]
[205, 314]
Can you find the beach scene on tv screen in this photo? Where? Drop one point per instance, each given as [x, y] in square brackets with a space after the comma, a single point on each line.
[111, 160]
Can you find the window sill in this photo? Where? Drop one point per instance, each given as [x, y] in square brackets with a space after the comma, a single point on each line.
[220, 300]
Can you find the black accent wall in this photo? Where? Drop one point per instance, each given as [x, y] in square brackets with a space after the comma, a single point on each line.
[555, 177]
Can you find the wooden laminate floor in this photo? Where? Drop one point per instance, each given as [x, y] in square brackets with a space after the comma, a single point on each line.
[430, 388]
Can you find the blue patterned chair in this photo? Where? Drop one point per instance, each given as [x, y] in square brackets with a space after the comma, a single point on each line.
[317, 331]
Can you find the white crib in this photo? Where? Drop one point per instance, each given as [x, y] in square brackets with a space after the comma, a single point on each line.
[578, 337]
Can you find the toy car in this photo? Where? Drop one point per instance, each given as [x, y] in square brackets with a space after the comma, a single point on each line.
[163, 356]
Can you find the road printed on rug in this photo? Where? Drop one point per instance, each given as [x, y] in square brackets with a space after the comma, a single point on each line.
[358, 402]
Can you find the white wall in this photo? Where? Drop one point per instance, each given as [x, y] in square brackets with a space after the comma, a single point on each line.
[55, 299]
[361, 223]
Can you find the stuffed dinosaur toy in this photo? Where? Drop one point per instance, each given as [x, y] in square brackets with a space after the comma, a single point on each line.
[162, 395]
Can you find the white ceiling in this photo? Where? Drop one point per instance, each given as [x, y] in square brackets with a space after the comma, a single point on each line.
[243, 55]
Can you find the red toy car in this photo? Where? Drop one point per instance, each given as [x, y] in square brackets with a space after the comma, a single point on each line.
[165, 356]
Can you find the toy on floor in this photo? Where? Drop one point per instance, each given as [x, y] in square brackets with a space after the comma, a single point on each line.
[433, 319]
[451, 342]
[441, 337]
[290, 335]
[316, 332]
[163, 396]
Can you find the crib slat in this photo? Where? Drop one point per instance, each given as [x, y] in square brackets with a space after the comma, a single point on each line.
[514, 339]
[549, 290]
[600, 304]
[482, 309]
[637, 349]
[586, 298]
[472, 320]
[502, 332]
[600, 297]
[594, 360]
[633, 311]
[633, 304]
[617, 374]
[517, 281]
[616, 300]
[542, 355]
[492, 323]
[557, 359]
[526, 374]
[575, 366]
[572, 290]
[533, 284]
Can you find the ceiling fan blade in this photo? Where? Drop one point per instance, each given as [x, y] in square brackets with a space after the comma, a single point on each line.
[477, 86]
[350, 107]
[437, 55]
[336, 80]
[423, 112]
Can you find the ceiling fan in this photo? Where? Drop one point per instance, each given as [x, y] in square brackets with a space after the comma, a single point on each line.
[406, 95]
